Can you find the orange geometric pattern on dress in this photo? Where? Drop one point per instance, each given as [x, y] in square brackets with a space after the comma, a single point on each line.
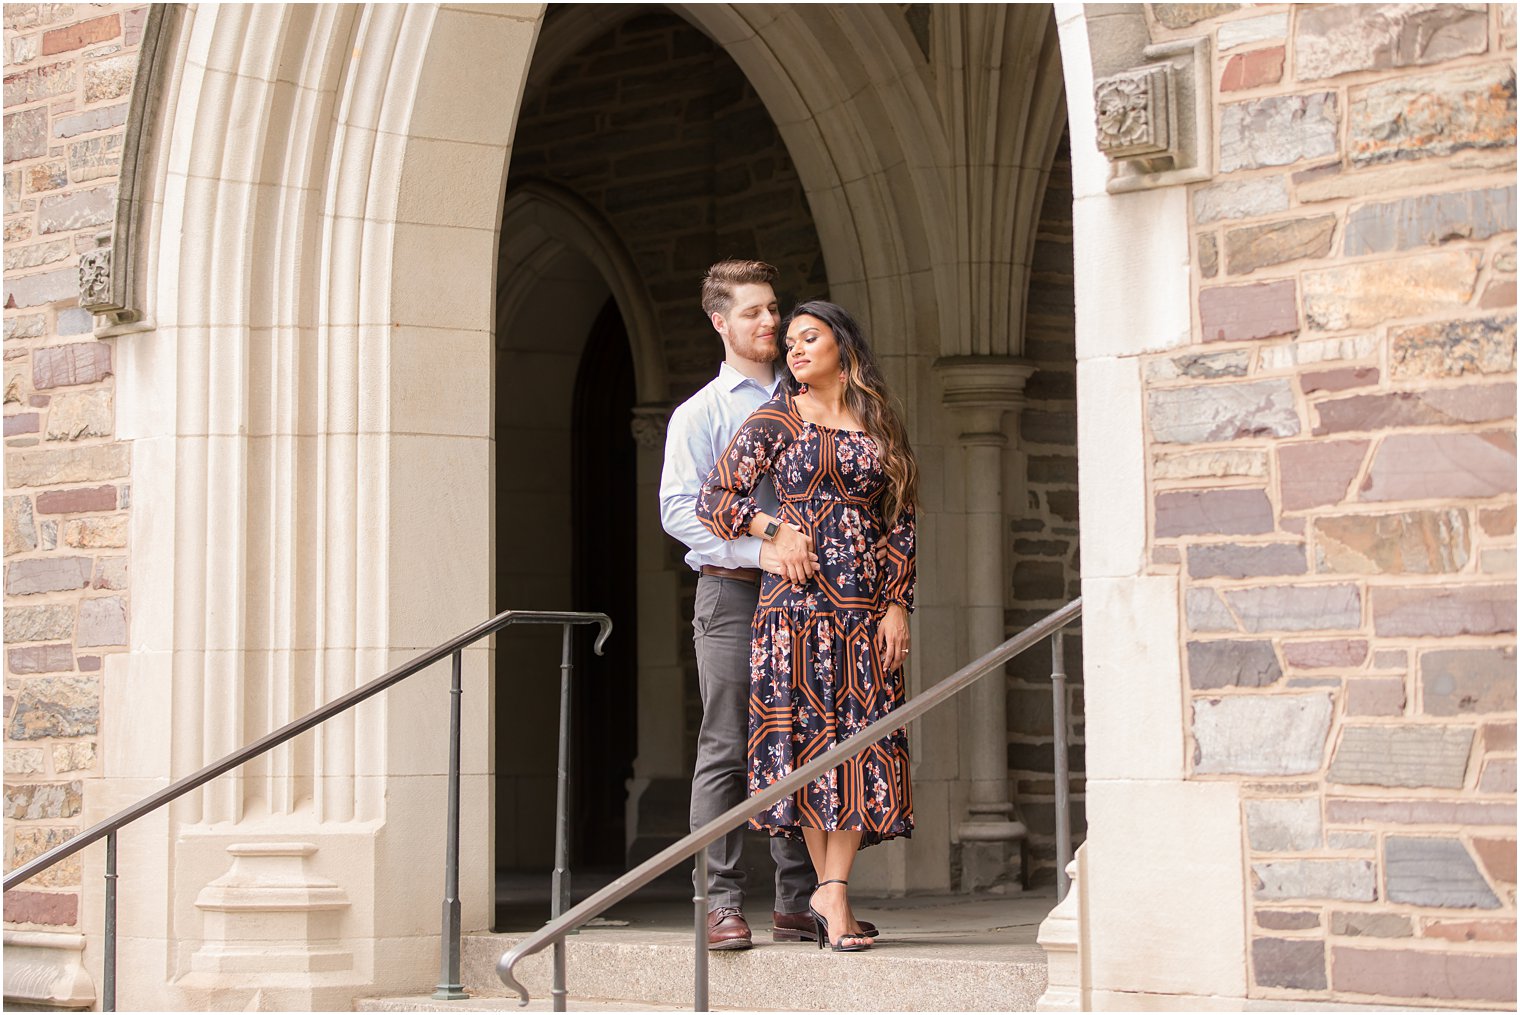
[816, 677]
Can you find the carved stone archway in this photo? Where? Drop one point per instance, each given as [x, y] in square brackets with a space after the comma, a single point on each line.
[320, 224]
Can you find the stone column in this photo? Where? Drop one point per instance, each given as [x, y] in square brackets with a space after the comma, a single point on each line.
[660, 791]
[978, 390]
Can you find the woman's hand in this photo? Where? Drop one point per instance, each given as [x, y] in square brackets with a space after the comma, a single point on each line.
[892, 637]
[771, 563]
[794, 553]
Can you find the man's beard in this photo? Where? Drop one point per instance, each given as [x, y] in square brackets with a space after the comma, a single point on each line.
[757, 351]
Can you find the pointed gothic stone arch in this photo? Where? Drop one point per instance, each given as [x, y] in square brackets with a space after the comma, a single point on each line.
[571, 222]
[320, 251]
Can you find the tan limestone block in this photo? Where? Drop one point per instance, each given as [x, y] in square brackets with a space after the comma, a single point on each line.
[20, 525]
[1211, 465]
[1327, 350]
[471, 54]
[35, 255]
[89, 533]
[1252, 247]
[110, 78]
[1336, 184]
[24, 761]
[29, 843]
[1409, 117]
[1134, 683]
[73, 756]
[49, 466]
[80, 414]
[1366, 294]
[1203, 951]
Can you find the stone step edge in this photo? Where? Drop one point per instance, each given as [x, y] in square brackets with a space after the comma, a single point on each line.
[489, 1001]
[749, 979]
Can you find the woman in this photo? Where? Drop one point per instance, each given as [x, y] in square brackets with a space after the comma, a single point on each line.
[827, 651]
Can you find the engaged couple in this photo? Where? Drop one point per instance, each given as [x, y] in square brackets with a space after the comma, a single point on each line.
[794, 488]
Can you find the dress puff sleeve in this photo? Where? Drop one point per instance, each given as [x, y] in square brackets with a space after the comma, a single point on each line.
[901, 565]
[725, 505]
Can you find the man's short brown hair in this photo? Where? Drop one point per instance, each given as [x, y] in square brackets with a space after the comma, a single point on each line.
[721, 279]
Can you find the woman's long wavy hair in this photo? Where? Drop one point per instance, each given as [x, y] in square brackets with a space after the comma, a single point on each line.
[866, 396]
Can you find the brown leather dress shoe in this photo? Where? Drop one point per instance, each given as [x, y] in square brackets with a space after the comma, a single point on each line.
[800, 927]
[727, 930]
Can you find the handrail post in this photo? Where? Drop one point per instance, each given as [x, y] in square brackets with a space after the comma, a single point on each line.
[699, 905]
[561, 886]
[1062, 773]
[108, 994]
[449, 986]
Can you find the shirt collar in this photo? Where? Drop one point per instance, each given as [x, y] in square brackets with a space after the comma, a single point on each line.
[733, 379]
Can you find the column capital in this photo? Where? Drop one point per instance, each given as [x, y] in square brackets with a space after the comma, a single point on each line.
[979, 389]
[649, 423]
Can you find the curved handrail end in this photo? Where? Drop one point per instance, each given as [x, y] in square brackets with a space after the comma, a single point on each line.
[504, 971]
[605, 625]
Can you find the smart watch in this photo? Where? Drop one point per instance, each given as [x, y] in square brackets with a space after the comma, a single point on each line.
[771, 529]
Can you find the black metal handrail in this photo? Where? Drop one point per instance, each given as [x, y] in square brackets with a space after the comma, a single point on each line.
[449, 985]
[695, 844]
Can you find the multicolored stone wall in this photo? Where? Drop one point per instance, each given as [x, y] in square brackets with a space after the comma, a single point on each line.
[1332, 474]
[68, 74]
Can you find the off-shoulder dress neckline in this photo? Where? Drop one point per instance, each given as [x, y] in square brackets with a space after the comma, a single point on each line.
[791, 406]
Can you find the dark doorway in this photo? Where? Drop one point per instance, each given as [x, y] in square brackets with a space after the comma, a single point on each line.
[605, 568]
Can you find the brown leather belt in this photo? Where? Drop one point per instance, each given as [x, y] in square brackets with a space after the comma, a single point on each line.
[743, 574]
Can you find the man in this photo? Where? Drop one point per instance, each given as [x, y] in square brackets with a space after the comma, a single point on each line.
[739, 301]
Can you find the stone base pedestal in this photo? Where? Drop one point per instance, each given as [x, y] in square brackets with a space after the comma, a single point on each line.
[1061, 937]
[992, 849]
[272, 930]
[995, 867]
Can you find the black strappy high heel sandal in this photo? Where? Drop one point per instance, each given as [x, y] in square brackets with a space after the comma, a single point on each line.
[823, 926]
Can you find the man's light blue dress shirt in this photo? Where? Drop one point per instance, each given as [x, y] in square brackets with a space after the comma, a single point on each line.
[699, 432]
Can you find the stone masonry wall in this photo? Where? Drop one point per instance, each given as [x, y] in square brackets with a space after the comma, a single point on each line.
[658, 130]
[68, 75]
[1332, 472]
[1046, 563]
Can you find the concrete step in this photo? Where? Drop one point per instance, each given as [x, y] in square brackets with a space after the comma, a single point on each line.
[504, 1002]
[655, 968]
[935, 954]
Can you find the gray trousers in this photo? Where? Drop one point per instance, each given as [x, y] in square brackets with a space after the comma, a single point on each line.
[725, 608]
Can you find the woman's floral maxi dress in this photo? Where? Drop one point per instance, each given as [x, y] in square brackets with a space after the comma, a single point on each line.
[815, 673]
